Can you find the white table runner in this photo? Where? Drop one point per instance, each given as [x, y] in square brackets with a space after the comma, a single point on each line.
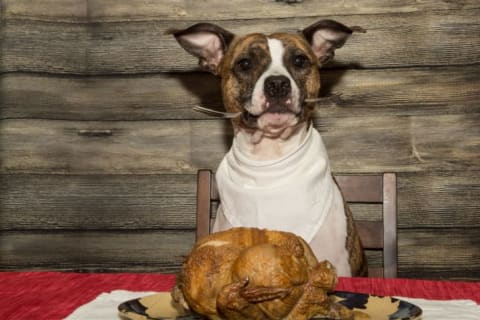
[104, 307]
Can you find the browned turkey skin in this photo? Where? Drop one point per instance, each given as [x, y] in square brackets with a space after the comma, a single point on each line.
[249, 273]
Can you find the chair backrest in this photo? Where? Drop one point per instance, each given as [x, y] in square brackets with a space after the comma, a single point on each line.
[375, 235]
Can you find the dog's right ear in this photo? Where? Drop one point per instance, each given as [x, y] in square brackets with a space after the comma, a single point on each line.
[206, 41]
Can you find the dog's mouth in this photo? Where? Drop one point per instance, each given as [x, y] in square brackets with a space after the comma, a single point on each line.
[275, 111]
[249, 119]
[272, 115]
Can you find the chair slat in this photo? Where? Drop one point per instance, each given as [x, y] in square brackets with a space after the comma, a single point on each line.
[214, 191]
[204, 181]
[390, 223]
[361, 189]
[371, 233]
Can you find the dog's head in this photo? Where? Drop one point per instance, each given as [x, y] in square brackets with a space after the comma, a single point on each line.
[266, 78]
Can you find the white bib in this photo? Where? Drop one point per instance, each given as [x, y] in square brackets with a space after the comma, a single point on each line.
[294, 193]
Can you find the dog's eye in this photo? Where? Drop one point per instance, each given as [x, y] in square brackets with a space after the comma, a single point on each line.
[244, 64]
[301, 61]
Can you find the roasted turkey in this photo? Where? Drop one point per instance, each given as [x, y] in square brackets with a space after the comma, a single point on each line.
[249, 273]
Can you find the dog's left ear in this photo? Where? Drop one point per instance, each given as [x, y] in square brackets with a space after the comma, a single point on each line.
[325, 36]
[206, 41]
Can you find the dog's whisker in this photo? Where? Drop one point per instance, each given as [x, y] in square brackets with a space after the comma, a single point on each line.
[220, 114]
[330, 98]
[313, 99]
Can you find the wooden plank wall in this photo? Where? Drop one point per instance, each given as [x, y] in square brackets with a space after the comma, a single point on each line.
[99, 145]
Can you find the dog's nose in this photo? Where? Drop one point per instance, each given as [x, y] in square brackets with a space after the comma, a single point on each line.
[277, 86]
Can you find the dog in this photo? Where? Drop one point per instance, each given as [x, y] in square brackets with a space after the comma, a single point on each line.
[277, 175]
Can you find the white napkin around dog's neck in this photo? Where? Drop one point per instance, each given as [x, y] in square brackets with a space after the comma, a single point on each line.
[294, 193]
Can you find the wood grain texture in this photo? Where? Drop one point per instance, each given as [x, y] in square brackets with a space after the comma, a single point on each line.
[128, 147]
[433, 200]
[392, 40]
[110, 202]
[56, 10]
[114, 10]
[154, 251]
[445, 254]
[430, 142]
[399, 92]
[99, 146]
[442, 142]
[439, 200]
[163, 251]
[97, 202]
[143, 97]
[39, 46]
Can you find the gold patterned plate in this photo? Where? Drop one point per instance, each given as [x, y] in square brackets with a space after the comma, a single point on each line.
[159, 307]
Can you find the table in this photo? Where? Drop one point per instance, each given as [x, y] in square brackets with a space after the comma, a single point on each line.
[54, 295]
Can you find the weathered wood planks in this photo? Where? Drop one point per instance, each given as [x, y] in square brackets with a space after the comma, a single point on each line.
[69, 147]
[422, 253]
[433, 254]
[114, 10]
[97, 202]
[142, 47]
[439, 200]
[99, 145]
[400, 92]
[154, 250]
[142, 202]
[416, 143]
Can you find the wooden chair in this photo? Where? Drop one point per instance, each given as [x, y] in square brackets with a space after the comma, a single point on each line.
[375, 235]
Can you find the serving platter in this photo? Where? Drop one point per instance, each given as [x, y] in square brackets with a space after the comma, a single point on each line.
[159, 307]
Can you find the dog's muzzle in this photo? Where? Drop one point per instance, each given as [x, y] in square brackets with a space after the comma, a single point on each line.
[277, 90]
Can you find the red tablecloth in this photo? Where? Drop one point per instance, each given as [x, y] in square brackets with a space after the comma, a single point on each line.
[54, 295]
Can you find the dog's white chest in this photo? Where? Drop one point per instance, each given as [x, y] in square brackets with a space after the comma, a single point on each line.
[294, 193]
